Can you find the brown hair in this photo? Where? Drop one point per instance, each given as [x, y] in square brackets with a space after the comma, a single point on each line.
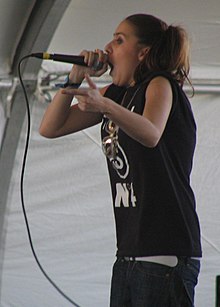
[168, 47]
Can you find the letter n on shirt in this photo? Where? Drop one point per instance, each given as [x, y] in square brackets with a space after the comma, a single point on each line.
[125, 195]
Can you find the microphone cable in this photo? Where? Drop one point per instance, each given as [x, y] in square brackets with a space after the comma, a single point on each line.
[22, 187]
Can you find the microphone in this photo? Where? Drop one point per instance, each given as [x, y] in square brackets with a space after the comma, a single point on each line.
[73, 59]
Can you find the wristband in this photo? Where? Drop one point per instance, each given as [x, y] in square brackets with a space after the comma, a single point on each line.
[67, 84]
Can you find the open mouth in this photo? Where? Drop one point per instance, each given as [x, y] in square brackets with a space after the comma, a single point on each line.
[111, 67]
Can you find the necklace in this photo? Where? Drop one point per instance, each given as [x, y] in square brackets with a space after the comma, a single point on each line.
[131, 100]
[110, 142]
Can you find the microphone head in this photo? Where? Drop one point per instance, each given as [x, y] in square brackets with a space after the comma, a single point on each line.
[97, 65]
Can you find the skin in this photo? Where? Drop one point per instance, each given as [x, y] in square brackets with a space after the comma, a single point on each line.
[124, 53]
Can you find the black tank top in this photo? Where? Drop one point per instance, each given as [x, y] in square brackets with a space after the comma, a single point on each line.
[154, 204]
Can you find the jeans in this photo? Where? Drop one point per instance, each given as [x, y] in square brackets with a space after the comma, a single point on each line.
[146, 284]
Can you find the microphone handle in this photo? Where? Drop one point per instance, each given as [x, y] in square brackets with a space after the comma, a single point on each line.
[73, 59]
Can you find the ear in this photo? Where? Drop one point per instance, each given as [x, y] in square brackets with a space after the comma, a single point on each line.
[142, 53]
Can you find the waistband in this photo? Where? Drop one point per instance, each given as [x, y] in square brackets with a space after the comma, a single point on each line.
[165, 260]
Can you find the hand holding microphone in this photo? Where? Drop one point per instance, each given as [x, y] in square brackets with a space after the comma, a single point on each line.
[95, 60]
[94, 63]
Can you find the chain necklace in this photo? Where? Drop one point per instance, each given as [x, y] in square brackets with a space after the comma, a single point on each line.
[110, 142]
[131, 100]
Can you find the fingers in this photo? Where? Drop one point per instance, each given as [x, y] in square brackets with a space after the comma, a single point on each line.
[102, 57]
[91, 84]
[94, 58]
[89, 57]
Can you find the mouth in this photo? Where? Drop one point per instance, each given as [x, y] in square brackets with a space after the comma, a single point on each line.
[111, 67]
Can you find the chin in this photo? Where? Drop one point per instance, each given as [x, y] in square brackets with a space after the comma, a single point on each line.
[115, 81]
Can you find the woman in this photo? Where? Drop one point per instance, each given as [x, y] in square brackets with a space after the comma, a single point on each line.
[148, 136]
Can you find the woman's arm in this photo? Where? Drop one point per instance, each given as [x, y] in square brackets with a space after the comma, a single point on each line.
[60, 117]
[146, 128]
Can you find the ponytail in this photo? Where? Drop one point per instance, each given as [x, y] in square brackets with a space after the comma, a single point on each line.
[168, 47]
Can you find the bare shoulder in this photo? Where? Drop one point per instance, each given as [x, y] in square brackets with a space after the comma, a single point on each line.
[159, 86]
[158, 97]
[159, 81]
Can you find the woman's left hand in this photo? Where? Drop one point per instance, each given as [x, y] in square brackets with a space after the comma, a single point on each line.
[89, 99]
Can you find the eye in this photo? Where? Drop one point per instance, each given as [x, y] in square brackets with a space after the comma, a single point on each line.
[119, 40]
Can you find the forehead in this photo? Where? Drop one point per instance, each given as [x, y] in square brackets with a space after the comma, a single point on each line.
[125, 28]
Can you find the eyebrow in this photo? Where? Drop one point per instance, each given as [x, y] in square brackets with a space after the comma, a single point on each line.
[119, 33]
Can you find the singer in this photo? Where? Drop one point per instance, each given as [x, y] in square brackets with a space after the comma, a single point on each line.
[148, 137]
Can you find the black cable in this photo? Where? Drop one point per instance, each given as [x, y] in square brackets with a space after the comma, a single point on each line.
[22, 184]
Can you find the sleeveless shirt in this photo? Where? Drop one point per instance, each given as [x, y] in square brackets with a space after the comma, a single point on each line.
[154, 204]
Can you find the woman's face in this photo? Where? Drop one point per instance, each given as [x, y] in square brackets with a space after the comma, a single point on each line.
[124, 54]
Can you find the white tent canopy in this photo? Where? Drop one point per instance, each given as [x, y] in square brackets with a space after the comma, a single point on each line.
[66, 188]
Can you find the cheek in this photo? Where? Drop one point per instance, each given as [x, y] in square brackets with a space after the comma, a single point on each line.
[130, 59]
[125, 68]
[128, 66]
[127, 62]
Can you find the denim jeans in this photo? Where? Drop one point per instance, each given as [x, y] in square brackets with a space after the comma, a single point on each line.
[146, 284]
